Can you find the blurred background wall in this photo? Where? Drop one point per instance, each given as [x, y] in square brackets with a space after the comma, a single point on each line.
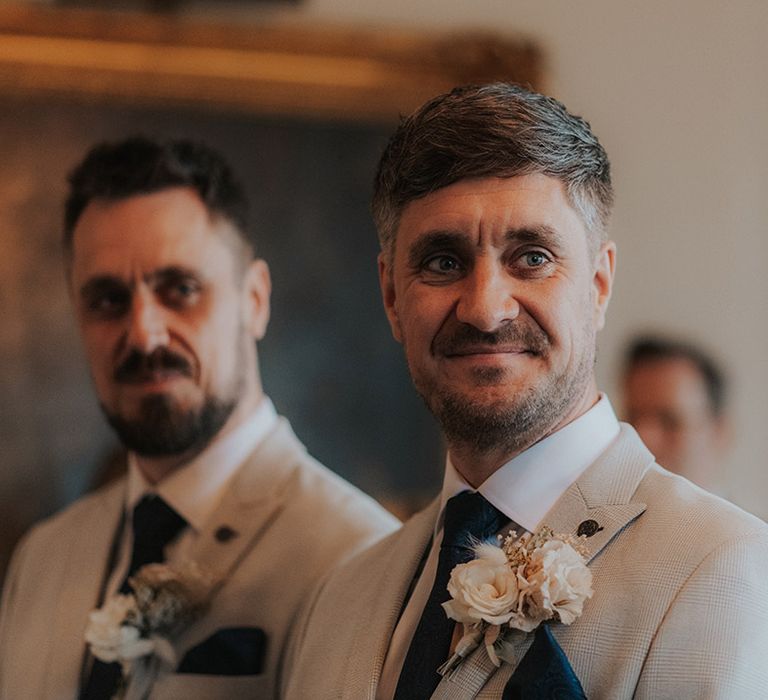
[675, 91]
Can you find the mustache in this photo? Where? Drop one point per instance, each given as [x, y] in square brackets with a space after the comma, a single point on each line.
[466, 338]
[137, 366]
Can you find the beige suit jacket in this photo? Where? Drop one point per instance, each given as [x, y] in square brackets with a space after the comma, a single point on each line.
[680, 605]
[293, 521]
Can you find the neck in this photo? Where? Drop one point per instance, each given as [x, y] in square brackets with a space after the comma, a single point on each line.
[476, 466]
[155, 469]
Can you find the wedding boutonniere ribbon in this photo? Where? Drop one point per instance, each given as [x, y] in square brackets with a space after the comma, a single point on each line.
[517, 584]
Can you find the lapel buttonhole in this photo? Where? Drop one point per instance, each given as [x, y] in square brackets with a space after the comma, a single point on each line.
[225, 534]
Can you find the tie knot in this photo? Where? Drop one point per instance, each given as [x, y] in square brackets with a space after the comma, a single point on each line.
[155, 521]
[469, 516]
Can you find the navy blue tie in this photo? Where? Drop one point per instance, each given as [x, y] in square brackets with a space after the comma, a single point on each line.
[155, 524]
[468, 518]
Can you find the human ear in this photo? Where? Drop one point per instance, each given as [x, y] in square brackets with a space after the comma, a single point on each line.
[602, 280]
[388, 295]
[257, 288]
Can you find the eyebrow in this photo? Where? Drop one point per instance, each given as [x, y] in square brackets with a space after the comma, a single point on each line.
[102, 283]
[173, 272]
[97, 285]
[535, 235]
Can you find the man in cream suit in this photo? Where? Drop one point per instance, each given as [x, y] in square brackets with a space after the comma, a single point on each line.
[491, 205]
[170, 299]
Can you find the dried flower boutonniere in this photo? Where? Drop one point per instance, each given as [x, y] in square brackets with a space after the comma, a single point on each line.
[517, 585]
[135, 626]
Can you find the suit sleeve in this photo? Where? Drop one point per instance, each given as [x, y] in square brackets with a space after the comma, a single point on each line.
[713, 642]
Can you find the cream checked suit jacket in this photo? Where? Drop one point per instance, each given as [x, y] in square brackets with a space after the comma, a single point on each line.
[680, 605]
[293, 520]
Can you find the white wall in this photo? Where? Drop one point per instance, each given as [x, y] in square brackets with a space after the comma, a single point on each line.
[677, 92]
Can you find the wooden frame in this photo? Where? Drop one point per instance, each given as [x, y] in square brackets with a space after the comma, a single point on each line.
[288, 69]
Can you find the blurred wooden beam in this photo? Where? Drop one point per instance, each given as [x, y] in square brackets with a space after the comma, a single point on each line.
[287, 69]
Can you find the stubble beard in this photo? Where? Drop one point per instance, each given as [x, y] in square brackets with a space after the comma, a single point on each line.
[162, 428]
[510, 424]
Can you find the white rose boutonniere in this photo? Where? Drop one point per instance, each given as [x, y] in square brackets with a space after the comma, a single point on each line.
[129, 628]
[114, 631]
[517, 585]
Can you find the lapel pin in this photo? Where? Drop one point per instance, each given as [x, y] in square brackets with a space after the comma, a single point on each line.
[588, 528]
[224, 534]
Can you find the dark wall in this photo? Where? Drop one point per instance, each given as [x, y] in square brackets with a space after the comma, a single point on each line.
[328, 361]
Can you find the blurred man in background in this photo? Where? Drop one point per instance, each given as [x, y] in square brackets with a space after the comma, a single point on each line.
[675, 397]
[170, 301]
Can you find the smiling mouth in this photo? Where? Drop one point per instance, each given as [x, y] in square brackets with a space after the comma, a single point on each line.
[489, 350]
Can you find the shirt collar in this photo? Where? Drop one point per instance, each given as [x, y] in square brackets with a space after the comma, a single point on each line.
[195, 489]
[526, 487]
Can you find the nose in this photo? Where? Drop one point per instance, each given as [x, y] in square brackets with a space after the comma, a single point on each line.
[487, 299]
[147, 330]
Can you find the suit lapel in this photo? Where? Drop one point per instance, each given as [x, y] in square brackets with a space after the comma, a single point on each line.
[600, 503]
[82, 577]
[256, 496]
[382, 602]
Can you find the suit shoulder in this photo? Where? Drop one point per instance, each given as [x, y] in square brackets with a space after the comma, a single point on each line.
[91, 507]
[319, 493]
[700, 521]
[399, 551]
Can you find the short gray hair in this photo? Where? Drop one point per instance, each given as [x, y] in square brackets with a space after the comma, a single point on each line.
[496, 130]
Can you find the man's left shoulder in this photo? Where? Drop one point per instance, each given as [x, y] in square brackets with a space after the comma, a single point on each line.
[320, 496]
[696, 520]
[705, 561]
[315, 508]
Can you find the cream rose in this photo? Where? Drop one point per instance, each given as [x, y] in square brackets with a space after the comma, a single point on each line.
[482, 589]
[112, 632]
[559, 582]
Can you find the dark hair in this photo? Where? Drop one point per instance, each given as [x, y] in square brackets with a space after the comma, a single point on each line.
[140, 165]
[496, 130]
[656, 348]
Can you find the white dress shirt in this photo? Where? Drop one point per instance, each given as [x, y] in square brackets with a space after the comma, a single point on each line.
[524, 489]
[195, 490]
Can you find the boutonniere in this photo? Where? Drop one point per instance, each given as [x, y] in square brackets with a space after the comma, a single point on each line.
[138, 626]
[516, 585]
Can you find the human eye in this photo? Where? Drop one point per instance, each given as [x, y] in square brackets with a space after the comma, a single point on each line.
[535, 258]
[442, 264]
[106, 300]
[533, 262]
[179, 292]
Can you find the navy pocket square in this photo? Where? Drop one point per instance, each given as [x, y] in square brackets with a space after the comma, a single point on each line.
[233, 651]
[544, 673]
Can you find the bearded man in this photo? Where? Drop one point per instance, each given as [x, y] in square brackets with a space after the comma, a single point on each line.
[203, 554]
[613, 578]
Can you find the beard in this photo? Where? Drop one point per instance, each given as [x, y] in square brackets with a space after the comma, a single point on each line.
[162, 428]
[510, 423]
